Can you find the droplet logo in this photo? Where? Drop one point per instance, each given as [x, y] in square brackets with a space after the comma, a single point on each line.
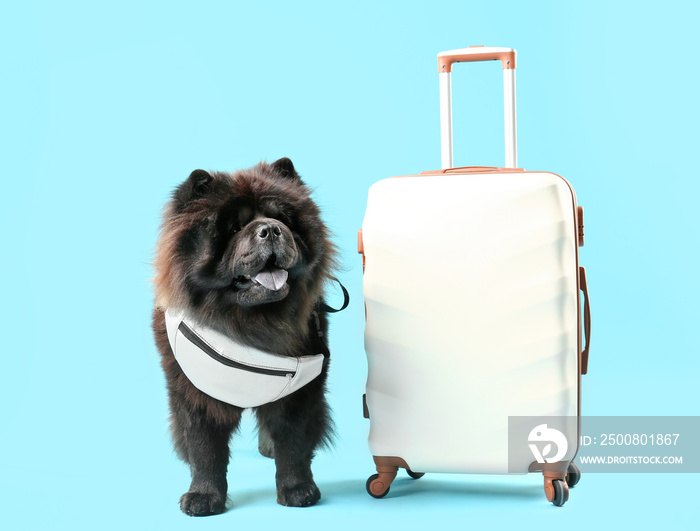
[543, 434]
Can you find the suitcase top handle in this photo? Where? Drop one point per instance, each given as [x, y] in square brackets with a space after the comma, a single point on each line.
[507, 57]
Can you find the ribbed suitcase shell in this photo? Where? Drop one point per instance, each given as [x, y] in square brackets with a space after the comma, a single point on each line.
[472, 305]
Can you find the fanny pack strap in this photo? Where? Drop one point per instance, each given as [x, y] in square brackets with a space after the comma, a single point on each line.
[323, 307]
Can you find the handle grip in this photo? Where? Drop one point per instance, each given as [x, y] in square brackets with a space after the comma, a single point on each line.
[476, 53]
[583, 284]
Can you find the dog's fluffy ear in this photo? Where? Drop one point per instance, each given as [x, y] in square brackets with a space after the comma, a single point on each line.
[196, 185]
[285, 168]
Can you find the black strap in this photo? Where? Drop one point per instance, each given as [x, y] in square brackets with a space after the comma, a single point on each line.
[322, 306]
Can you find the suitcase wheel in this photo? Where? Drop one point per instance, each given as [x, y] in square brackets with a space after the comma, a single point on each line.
[376, 487]
[573, 475]
[555, 488]
[561, 492]
[415, 475]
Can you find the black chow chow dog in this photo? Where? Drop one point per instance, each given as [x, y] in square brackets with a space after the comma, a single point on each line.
[247, 254]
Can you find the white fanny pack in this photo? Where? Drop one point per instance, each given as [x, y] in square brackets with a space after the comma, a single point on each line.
[231, 372]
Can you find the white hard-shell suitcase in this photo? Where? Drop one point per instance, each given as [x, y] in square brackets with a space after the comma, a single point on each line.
[473, 314]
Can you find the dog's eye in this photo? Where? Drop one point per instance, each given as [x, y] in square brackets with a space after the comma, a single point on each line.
[227, 226]
[245, 216]
[283, 216]
[279, 211]
[232, 217]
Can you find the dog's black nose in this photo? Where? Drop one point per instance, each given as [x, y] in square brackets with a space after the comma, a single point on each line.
[268, 230]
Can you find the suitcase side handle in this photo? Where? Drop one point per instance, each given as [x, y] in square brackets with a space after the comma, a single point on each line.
[583, 286]
[477, 53]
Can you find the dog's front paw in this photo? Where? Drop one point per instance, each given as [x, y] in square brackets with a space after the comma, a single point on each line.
[303, 495]
[202, 503]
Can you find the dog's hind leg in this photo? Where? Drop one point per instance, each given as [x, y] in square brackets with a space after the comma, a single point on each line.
[203, 443]
[265, 445]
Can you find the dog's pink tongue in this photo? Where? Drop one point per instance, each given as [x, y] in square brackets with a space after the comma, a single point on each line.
[272, 279]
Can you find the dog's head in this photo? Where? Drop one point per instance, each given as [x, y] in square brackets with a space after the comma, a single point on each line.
[248, 240]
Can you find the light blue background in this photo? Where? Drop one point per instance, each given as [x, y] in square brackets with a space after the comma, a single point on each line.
[105, 107]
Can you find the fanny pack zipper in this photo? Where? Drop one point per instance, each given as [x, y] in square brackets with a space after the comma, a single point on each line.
[192, 336]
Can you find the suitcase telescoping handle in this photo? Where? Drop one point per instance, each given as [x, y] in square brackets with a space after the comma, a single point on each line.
[477, 53]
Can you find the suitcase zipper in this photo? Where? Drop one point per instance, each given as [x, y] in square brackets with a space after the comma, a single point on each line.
[192, 336]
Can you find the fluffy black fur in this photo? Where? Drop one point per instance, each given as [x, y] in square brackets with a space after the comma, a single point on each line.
[218, 230]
